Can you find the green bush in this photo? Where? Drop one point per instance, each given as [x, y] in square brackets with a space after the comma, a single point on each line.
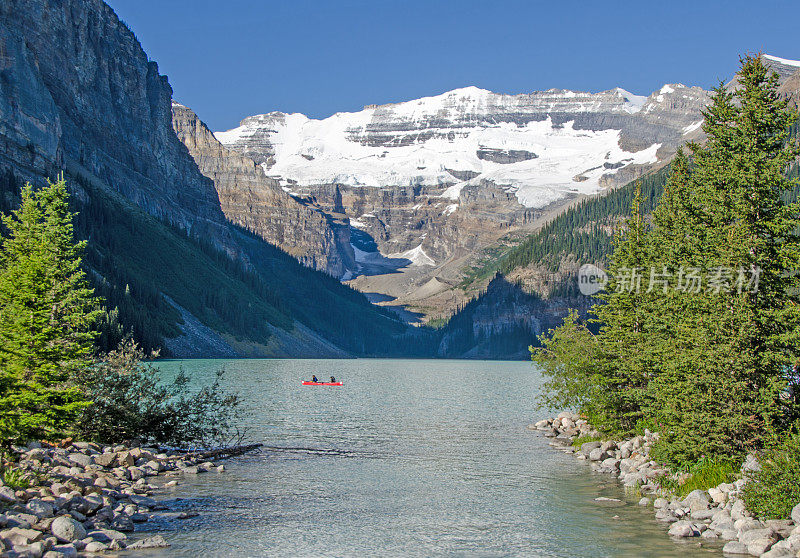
[131, 403]
[706, 473]
[773, 491]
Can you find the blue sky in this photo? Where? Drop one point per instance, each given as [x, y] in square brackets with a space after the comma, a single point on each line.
[231, 59]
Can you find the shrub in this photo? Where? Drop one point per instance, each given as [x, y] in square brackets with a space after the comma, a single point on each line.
[773, 491]
[130, 402]
[706, 473]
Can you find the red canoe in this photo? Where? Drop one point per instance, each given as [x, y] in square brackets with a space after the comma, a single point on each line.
[322, 383]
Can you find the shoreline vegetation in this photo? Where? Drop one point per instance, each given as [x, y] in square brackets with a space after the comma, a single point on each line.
[59, 497]
[686, 374]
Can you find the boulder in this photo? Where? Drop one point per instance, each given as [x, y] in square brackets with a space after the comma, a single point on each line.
[748, 537]
[150, 542]
[105, 459]
[7, 495]
[738, 510]
[760, 546]
[62, 551]
[80, 459]
[40, 508]
[107, 535]
[18, 536]
[735, 547]
[796, 514]
[67, 529]
[683, 529]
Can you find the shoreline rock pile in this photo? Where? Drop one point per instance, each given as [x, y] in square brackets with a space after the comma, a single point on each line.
[84, 498]
[716, 515]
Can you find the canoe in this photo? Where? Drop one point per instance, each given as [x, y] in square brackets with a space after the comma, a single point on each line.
[322, 383]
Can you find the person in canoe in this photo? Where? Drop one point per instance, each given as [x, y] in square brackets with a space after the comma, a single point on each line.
[333, 380]
[314, 379]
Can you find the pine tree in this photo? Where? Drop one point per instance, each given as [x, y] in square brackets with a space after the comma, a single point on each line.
[46, 316]
[720, 386]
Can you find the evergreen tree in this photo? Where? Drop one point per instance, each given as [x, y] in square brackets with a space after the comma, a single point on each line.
[719, 386]
[46, 316]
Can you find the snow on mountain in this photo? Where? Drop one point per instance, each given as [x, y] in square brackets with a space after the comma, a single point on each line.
[537, 145]
[784, 61]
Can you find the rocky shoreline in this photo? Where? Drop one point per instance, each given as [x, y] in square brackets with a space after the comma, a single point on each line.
[84, 498]
[716, 516]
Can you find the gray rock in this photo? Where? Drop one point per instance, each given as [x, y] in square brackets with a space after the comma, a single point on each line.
[143, 501]
[796, 514]
[735, 547]
[107, 535]
[40, 508]
[747, 537]
[760, 546]
[750, 464]
[62, 551]
[683, 529]
[729, 534]
[95, 547]
[595, 455]
[80, 459]
[18, 536]
[660, 503]
[589, 446]
[67, 529]
[738, 510]
[150, 542]
[702, 515]
[7, 495]
[748, 524]
[780, 549]
[644, 501]
[105, 459]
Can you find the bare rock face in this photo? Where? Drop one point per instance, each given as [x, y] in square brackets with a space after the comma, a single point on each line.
[79, 92]
[252, 200]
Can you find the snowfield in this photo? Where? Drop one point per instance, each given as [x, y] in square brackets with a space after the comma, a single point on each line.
[431, 136]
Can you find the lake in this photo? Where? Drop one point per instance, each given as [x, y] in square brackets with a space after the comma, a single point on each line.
[408, 458]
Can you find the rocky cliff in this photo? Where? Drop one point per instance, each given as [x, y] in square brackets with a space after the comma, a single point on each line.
[78, 93]
[252, 200]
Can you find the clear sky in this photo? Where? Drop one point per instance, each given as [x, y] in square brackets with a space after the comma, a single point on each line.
[234, 58]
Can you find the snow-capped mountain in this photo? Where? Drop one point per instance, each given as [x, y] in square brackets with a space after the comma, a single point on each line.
[542, 146]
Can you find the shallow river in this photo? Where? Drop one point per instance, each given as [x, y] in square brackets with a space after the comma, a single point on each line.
[409, 458]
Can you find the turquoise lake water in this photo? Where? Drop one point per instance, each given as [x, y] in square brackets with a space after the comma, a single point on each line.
[408, 458]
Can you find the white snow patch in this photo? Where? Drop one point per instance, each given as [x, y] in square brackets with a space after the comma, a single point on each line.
[454, 191]
[450, 209]
[417, 256]
[692, 127]
[785, 61]
[633, 103]
[666, 88]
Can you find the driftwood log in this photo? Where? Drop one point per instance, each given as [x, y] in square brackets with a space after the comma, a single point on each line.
[220, 453]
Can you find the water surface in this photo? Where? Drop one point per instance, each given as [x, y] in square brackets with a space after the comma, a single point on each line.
[409, 458]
